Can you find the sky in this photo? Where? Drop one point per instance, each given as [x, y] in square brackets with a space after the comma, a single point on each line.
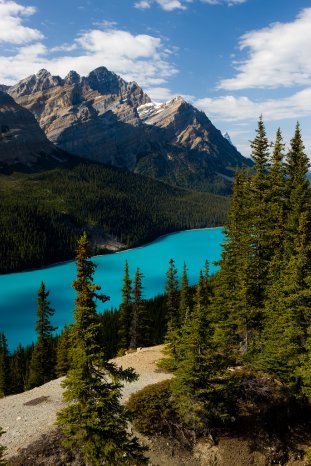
[233, 59]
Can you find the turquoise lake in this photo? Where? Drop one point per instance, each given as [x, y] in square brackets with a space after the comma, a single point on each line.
[18, 291]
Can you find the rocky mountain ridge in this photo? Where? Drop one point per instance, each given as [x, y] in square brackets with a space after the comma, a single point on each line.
[22, 141]
[105, 119]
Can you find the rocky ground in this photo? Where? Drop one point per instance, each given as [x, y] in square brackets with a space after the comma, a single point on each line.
[27, 416]
[33, 440]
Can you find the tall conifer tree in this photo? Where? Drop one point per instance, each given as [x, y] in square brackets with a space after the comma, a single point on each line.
[94, 421]
[124, 336]
[42, 363]
[297, 186]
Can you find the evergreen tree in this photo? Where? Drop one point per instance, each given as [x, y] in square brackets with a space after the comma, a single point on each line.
[172, 336]
[185, 298]
[42, 363]
[297, 186]
[18, 369]
[276, 197]
[195, 387]
[5, 379]
[171, 288]
[232, 284]
[124, 336]
[258, 228]
[140, 324]
[94, 420]
[62, 352]
[288, 312]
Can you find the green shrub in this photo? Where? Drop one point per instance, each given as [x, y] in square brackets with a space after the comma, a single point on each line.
[152, 409]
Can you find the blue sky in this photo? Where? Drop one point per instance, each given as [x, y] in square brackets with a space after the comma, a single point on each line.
[234, 59]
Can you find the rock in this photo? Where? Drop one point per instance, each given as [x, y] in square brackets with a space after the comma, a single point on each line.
[106, 119]
[22, 141]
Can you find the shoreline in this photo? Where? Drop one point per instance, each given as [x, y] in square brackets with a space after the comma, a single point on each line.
[56, 264]
[159, 237]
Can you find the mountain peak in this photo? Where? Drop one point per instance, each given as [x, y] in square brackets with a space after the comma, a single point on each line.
[72, 77]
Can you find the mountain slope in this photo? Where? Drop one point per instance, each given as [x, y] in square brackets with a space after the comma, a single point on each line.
[43, 214]
[22, 141]
[103, 118]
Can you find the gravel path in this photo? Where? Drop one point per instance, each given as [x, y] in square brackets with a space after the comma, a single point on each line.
[26, 416]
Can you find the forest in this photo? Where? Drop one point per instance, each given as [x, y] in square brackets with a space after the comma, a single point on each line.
[42, 215]
[238, 343]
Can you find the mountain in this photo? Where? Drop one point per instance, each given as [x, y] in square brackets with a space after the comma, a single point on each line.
[105, 119]
[227, 136]
[93, 117]
[4, 88]
[22, 141]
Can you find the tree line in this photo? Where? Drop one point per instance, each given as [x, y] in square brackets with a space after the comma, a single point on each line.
[43, 214]
[248, 332]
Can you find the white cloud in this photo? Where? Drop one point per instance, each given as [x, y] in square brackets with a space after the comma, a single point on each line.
[171, 5]
[141, 57]
[225, 2]
[230, 108]
[142, 5]
[278, 55]
[12, 30]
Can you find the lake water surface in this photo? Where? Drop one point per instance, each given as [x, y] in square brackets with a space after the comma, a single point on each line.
[18, 291]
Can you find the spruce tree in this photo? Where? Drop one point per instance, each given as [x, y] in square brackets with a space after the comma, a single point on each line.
[195, 388]
[5, 379]
[172, 336]
[171, 289]
[63, 352]
[94, 420]
[276, 195]
[124, 336]
[18, 370]
[258, 228]
[42, 363]
[185, 298]
[140, 323]
[288, 315]
[232, 284]
[298, 191]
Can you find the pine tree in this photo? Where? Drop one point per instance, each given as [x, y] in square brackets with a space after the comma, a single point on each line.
[171, 288]
[124, 336]
[297, 186]
[232, 285]
[140, 324]
[94, 421]
[18, 370]
[62, 353]
[259, 213]
[42, 363]
[195, 387]
[5, 379]
[276, 196]
[172, 336]
[288, 311]
[185, 298]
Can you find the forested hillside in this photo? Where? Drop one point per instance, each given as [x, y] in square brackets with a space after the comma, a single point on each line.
[43, 214]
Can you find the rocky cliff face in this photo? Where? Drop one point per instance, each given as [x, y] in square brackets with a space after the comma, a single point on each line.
[22, 141]
[93, 116]
[103, 118]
